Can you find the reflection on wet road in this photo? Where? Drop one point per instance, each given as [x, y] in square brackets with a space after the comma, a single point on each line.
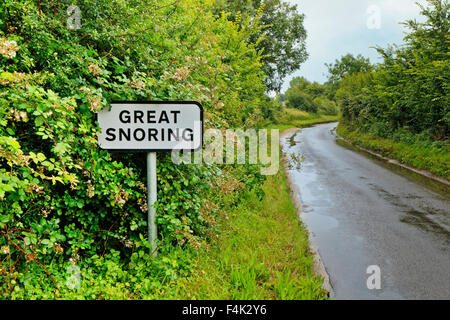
[361, 213]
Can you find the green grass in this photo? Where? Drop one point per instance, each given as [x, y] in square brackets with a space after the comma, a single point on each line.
[263, 249]
[262, 253]
[294, 118]
[421, 154]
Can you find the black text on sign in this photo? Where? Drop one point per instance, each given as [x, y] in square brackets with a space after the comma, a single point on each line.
[151, 126]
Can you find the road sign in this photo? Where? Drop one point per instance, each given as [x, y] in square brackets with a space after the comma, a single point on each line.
[151, 127]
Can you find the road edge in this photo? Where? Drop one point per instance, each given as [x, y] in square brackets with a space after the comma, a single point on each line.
[423, 173]
[319, 267]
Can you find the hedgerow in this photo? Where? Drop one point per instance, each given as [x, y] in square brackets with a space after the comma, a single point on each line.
[409, 90]
[66, 206]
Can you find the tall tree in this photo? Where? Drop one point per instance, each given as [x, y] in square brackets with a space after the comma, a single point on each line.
[347, 64]
[283, 44]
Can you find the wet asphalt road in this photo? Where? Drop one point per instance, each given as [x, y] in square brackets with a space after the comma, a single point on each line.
[360, 214]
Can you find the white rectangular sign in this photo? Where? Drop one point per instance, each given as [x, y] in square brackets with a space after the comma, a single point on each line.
[151, 126]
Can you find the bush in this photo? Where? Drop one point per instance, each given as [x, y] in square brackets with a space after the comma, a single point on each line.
[410, 89]
[326, 106]
[302, 101]
[64, 201]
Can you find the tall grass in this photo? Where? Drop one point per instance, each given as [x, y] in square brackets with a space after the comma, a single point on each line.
[262, 253]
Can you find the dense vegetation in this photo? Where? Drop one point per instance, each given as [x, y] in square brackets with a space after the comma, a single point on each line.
[251, 260]
[65, 204]
[310, 97]
[404, 99]
[70, 209]
[281, 37]
[410, 89]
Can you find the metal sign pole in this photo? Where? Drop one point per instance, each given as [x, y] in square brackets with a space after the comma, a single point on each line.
[151, 199]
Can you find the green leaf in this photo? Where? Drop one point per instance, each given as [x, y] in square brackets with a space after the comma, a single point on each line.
[41, 157]
[38, 121]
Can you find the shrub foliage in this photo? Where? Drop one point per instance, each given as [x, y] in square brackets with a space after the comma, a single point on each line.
[65, 203]
[410, 89]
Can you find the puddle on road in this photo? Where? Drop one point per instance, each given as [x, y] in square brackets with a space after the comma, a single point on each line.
[318, 222]
[389, 197]
[292, 141]
[422, 221]
[296, 161]
[313, 197]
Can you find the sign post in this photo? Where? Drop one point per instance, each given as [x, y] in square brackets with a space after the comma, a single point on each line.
[151, 200]
[154, 126]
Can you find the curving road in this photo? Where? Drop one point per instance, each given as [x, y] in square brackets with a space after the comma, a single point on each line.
[361, 213]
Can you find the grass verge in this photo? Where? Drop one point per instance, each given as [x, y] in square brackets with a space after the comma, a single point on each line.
[263, 253]
[294, 118]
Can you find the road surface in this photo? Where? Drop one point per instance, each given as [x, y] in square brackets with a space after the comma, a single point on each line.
[362, 214]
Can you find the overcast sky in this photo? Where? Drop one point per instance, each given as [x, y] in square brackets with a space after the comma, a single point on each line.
[338, 27]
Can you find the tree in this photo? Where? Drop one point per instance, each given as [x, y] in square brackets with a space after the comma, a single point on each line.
[410, 89]
[414, 78]
[310, 97]
[348, 64]
[283, 41]
[296, 98]
[300, 82]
